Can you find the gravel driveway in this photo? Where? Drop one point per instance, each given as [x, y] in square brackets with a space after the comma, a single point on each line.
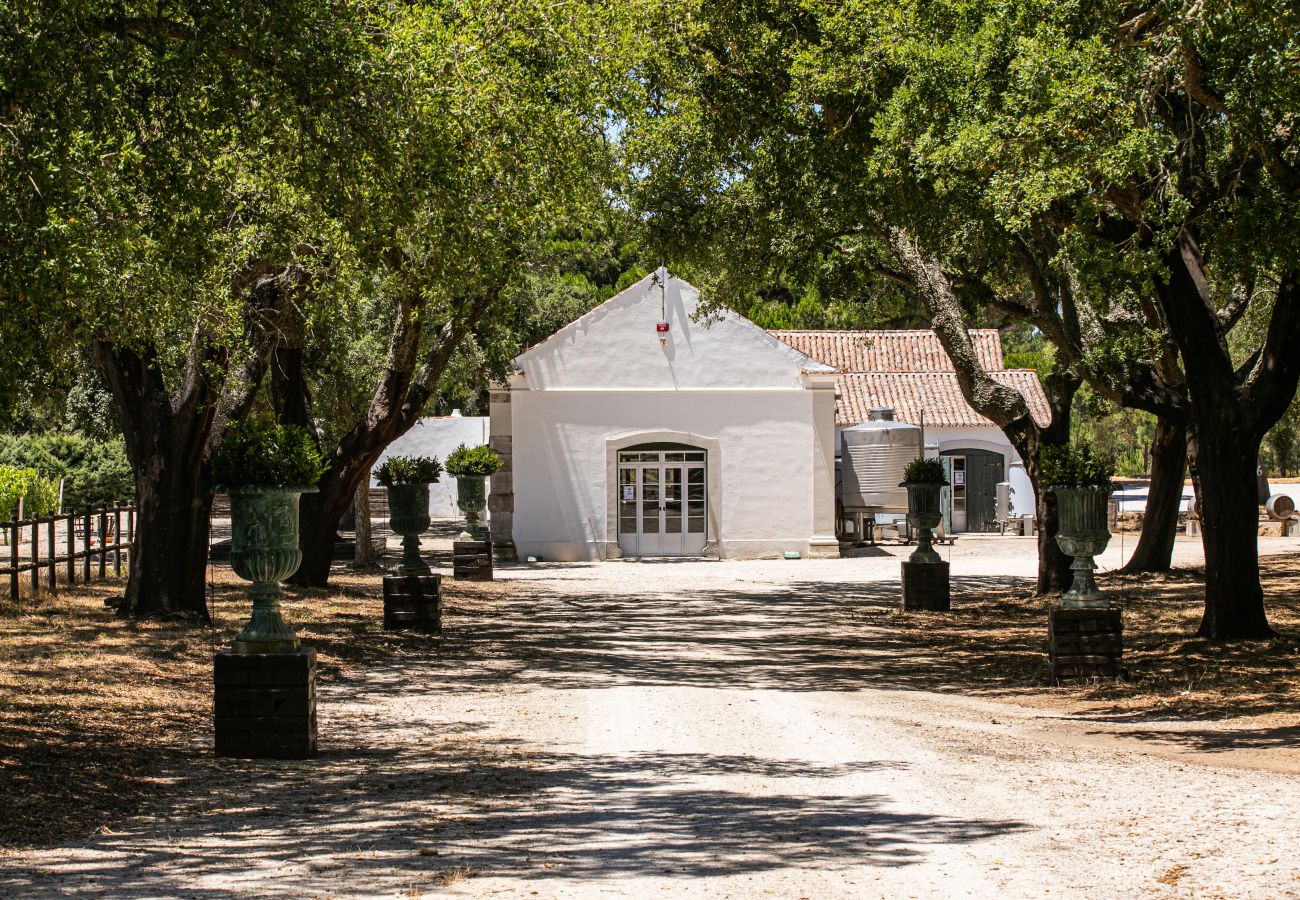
[713, 729]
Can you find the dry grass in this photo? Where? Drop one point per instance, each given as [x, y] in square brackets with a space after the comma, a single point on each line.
[996, 641]
[93, 708]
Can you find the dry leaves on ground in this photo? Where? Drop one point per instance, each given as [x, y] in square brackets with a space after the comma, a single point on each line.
[95, 709]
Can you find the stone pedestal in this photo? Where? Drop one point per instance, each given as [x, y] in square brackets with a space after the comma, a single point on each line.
[925, 586]
[264, 704]
[1084, 643]
[413, 602]
[472, 560]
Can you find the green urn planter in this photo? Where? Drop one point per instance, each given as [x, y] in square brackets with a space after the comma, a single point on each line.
[408, 515]
[264, 550]
[471, 497]
[1082, 533]
[924, 514]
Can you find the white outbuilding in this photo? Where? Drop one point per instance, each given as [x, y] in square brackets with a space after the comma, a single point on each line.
[636, 431]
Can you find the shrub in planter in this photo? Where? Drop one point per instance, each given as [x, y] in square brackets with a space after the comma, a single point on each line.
[265, 468]
[407, 479]
[1080, 477]
[924, 479]
[471, 466]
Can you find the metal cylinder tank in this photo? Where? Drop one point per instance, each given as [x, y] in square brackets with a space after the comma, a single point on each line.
[873, 457]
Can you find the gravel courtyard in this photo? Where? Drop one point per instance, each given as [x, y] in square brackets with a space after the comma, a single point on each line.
[709, 729]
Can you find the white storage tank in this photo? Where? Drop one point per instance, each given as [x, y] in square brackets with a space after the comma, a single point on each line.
[873, 457]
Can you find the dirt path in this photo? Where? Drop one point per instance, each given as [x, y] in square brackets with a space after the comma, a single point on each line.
[705, 729]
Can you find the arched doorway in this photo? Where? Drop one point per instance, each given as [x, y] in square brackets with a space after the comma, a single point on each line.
[662, 499]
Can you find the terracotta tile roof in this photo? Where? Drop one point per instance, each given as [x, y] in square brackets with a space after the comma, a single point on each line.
[889, 351]
[937, 393]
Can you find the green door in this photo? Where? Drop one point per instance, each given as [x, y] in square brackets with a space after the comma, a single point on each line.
[975, 476]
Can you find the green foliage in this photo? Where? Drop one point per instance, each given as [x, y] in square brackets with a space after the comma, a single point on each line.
[473, 461]
[257, 452]
[925, 471]
[39, 495]
[408, 470]
[1075, 463]
[1125, 434]
[95, 473]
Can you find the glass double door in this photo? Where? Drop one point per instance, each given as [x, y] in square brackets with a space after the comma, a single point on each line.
[661, 503]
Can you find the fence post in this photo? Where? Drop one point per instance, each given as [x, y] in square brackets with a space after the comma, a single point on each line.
[117, 539]
[71, 540]
[103, 544]
[85, 550]
[13, 561]
[36, 557]
[54, 552]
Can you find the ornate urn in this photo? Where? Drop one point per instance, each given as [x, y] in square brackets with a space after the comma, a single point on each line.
[924, 514]
[471, 497]
[1082, 533]
[264, 550]
[408, 515]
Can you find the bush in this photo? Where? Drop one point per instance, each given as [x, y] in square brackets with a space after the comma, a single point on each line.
[39, 495]
[408, 470]
[473, 461]
[255, 452]
[1076, 463]
[95, 473]
[925, 471]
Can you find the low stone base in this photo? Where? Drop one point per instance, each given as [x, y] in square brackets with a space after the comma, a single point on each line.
[264, 704]
[413, 602]
[1084, 643]
[472, 560]
[925, 587]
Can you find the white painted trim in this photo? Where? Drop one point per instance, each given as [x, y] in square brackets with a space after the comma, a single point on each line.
[712, 479]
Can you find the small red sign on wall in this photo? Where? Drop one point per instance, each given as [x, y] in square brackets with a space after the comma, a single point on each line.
[661, 327]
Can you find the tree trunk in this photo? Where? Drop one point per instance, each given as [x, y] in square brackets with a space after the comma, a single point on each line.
[166, 439]
[1224, 462]
[365, 552]
[320, 517]
[1155, 547]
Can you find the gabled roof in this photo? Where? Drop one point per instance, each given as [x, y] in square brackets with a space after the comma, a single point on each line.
[937, 394]
[890, 351]
[910, 372]
[646, 337]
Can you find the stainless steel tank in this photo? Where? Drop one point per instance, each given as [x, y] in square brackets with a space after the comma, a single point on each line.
[873, 456]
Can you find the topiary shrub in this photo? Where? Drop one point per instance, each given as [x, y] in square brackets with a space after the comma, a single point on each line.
[925, 471]
[256, 452]
[467, 461]
[1075, 463]
[408, 470]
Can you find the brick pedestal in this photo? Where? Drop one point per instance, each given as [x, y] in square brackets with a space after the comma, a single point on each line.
[1084, 643]
[265, 704]
[413, 602]
[925, 586]
[472, 560]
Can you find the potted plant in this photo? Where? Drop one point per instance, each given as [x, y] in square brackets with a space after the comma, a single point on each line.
[407, 479]
[471, 466]
[924, 480]
[265, 468]
[1080, 477]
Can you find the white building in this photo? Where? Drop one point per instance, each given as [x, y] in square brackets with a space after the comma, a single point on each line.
[438, 436]
[635, 431]
[910, 373]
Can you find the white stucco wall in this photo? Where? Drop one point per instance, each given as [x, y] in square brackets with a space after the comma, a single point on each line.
[763, 466]
[438, 436]
[760, 407]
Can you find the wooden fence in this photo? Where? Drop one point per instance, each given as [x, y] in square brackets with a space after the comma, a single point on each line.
[50, 550]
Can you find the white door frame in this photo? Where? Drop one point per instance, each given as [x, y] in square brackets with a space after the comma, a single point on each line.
[713, 482]
[663, 502]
